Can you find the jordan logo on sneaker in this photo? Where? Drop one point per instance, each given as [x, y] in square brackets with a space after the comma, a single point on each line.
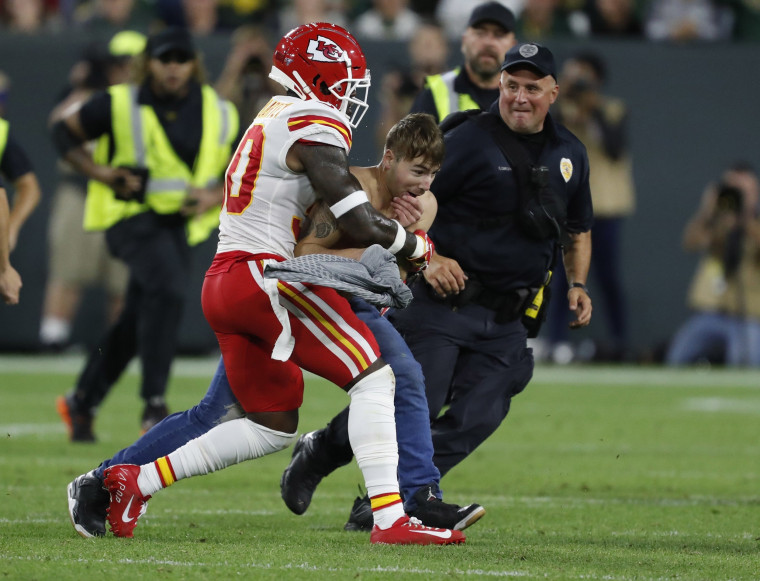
[431, 496]
[444, 534]
[125, 517]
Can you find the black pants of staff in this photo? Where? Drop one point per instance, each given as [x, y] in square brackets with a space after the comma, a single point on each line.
[471, 363]
[155, 249]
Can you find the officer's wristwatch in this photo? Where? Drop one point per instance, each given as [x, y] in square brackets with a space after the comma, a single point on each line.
[580, 285]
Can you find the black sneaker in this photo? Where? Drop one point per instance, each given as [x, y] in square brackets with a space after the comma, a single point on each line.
[154, 412]
[360, 519]
[310, 463]
[78, 423]
[433, 512]
[88, 503]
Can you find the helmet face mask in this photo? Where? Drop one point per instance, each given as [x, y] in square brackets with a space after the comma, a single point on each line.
[322, 61]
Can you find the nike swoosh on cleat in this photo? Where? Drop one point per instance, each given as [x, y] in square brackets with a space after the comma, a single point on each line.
[125, 517]
[443, 534]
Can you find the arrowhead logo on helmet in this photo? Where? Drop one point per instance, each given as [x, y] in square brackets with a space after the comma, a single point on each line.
[324, 50]
[324, 62]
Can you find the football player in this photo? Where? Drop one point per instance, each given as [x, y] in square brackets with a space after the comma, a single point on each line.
[293, 154]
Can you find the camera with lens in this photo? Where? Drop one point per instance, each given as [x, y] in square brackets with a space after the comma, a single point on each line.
[730, 198]
[578, 88]
[254, 66]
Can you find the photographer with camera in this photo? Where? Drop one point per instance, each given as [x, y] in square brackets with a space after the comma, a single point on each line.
[244, 80]
[601, 123]
[725, 290]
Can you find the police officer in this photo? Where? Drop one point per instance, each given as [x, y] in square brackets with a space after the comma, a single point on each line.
[467, 323]
[155, 186]
[488, 36]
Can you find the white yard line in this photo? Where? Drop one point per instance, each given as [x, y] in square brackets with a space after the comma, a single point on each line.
[634, 376]
[31, 429]
[45, 364]
[722, 404]
[391, 571]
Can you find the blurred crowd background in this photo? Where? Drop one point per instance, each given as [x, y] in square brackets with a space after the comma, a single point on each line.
[678, 72]
[655, 20]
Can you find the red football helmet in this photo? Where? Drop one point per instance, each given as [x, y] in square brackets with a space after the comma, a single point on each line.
[323, 61]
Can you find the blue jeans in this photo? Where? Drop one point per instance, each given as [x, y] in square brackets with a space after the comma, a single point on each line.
[704, 333]
[415, 444]
[217, 406]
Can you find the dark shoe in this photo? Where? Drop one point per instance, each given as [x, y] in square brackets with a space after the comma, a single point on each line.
[78, 423]
[310, 463]
[88, 503]
[153, 413]
[433, 512]
[360, 519]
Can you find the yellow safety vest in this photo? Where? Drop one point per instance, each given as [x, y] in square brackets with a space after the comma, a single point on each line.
[446, 99]
[3, 136]
[139, 140]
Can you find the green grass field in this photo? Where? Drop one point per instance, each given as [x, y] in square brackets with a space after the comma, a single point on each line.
[598, 473]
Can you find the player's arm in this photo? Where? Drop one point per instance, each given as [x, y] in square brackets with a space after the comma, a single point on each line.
[328, 171]
[577, 260]
[415, 213]
[321, 235]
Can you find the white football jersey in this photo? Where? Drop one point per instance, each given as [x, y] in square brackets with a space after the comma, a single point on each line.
[265, 202]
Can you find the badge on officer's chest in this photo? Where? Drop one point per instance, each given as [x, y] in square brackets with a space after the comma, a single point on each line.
[566, 167]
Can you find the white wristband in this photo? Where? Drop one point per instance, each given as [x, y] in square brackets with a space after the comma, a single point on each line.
[348, 203]
[419, 250]
[398, 243]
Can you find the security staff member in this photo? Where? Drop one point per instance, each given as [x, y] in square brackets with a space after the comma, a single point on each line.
[155, 186]
[465, 325]
[100, 66]
[17, 169]
[488, 36]
[10, 281]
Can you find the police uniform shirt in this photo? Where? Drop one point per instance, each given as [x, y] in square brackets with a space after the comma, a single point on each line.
[424, 102]
[181, 119]
[14, 162]
[478, 203]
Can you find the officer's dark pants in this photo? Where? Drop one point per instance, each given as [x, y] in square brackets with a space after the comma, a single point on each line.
[470, 361]
[155, 249]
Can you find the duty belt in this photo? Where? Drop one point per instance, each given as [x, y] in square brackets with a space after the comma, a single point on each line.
[508, 305]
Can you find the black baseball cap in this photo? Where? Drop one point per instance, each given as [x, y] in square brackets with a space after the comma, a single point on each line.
[533, 56]
[169, 39]
[493, 12]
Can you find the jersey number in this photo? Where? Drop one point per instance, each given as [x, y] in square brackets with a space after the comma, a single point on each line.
[243, 171]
